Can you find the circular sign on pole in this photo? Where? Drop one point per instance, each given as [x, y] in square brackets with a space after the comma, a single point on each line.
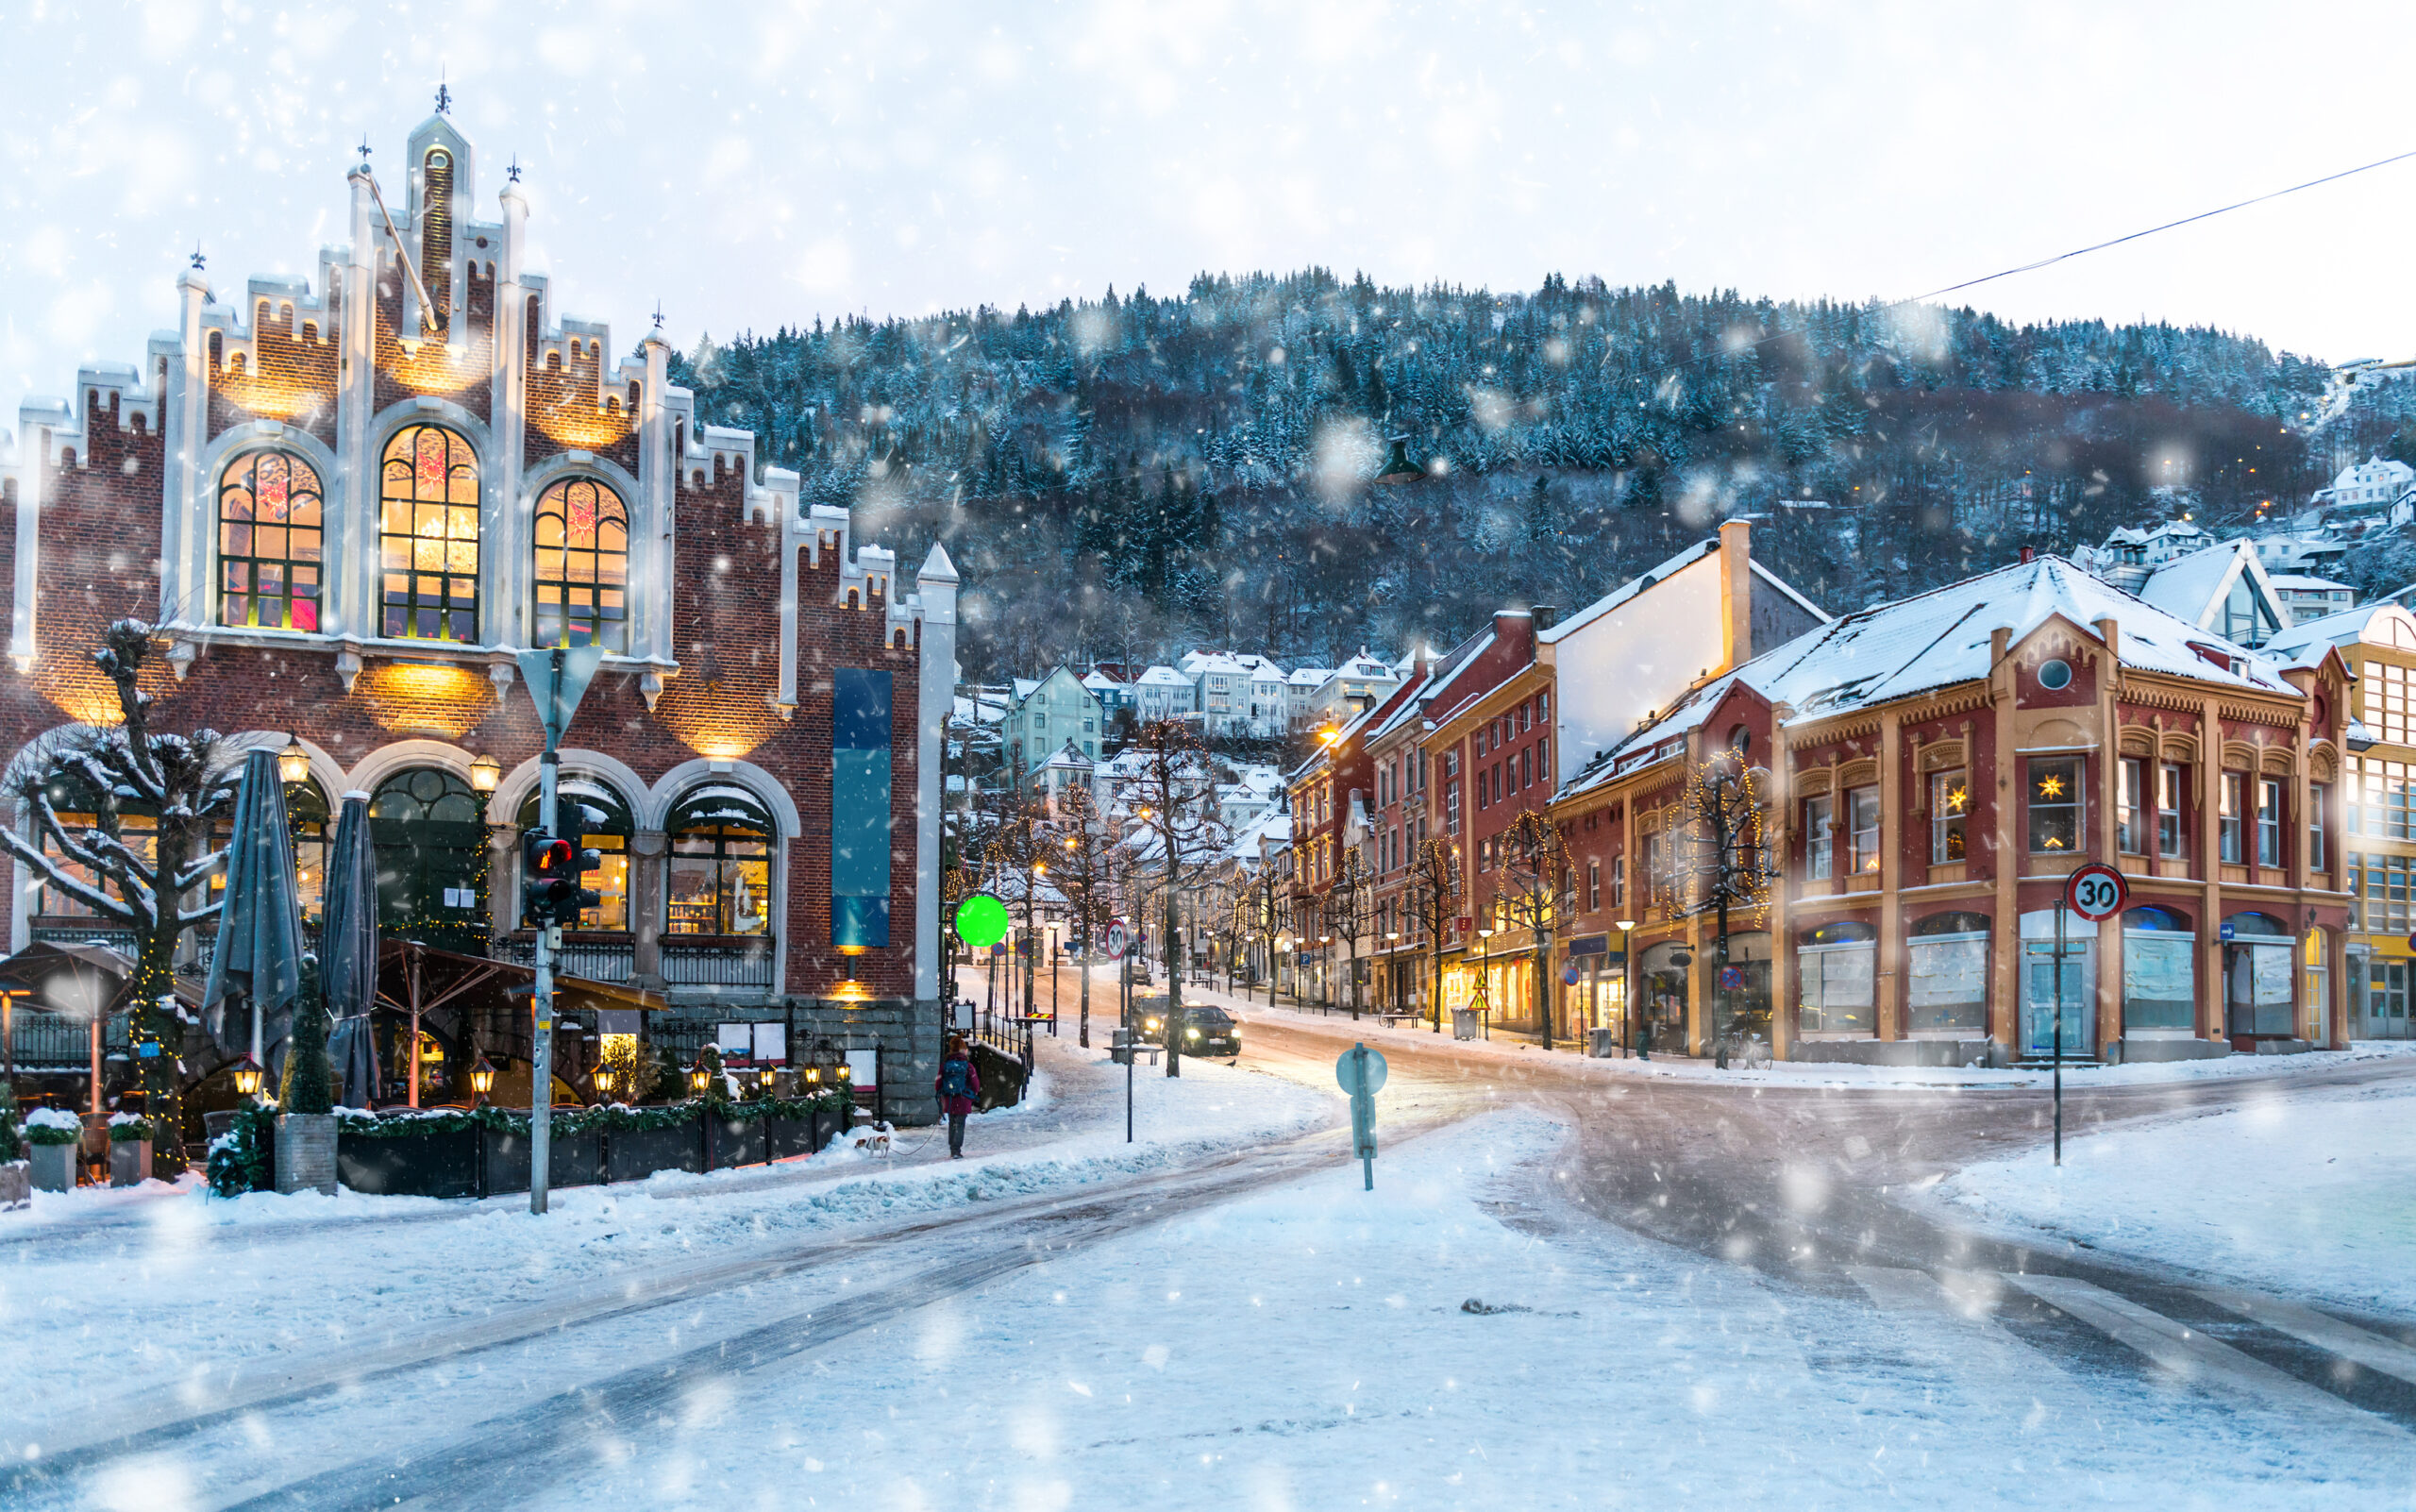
[1346, 1070]
[1114, 939]
[980, 920]
[2096, 892]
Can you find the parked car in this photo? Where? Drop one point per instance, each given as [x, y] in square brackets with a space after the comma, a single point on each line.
[1207, 1031]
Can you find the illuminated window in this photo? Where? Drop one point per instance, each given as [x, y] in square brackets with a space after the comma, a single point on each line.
[1862, 828]
[2055, 805]
[582, 566]
[1950, 800]
[721, 866]
[268, 542]
[428, 536]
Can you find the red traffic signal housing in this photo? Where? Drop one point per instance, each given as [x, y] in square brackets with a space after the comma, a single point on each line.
[553, 895]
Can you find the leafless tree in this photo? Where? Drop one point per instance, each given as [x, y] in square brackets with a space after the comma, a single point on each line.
[115, 773]
[1086, 871]
[1174, 796]
[1724, 869]
[1432, 897]
[1537, 890]
[1350, 910]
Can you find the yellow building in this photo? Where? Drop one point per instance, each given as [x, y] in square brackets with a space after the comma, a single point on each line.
[2379, 828]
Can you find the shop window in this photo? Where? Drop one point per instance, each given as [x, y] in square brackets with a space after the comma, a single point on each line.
[1950, 802]
[720, 875]
[1835, 972]
[1862, 812]
[2171, 781]
[606, 822]
[1947, 985]
[269, 541]
[2159, 970]
[2055, 804]
[2268, 822]
[2229, 817]
[428, 536]
[1819, 842]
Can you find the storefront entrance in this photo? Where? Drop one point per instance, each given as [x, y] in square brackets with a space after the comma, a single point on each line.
[430, 838]
[2258, 977]
[2039, 987]
[1662, 990]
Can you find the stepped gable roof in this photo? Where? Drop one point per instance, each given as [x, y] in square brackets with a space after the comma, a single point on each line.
[1934, 640]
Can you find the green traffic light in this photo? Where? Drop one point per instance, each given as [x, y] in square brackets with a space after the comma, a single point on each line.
[981, 922]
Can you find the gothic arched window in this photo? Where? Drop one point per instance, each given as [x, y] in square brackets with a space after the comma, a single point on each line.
[582, 566]
[427, 536]
[269, 526]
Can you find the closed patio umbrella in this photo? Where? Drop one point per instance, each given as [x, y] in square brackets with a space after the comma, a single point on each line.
[260, 926]
[348, 952]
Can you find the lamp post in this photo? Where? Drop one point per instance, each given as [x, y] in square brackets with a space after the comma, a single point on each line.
[698, 1078]
[293, 763]
[482, 1082]
[603, 1078]
[485, 773]
[1392, 947]
[1483, 1003]
[248, 1078]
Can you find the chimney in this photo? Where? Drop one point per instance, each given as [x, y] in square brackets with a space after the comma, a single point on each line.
[1546, 616]
[2111, 634]
[2029, 555]
[1735, 594]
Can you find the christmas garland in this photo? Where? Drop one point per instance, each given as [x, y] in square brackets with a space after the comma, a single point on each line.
[612, 1118]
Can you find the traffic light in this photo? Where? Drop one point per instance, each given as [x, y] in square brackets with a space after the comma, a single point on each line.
[544, 868]
[576, 819]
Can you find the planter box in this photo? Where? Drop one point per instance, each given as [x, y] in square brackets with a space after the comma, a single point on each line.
[52, 1167]
[435, 1164]
[306, 1152]
[16, 1187]
[784, 1137]
[633, 1154]
[576, 1161]
[503, 1166]
[736, 1143]
[129, 1162]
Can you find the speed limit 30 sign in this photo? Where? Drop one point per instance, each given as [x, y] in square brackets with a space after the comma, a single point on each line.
[2096, 892]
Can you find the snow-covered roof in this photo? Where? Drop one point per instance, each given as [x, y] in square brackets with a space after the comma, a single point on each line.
[1310, 677]
[1068, 758]
[1026, 687]
[2189, 587]
[1363, 665]
[1221, 664]
[1259, 665]
[2382, 622]
[2301, 582]
[1098, 682]
[1936, 639]
[1162, 676]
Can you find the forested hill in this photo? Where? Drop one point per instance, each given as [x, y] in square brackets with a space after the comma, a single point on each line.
[1125, 478]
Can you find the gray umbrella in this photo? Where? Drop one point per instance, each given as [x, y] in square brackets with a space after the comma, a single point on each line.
[259, 930]
[348, 950]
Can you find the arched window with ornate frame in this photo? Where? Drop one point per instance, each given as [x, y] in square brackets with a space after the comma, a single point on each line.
[428, 536]
[582, 566]
[270, 534]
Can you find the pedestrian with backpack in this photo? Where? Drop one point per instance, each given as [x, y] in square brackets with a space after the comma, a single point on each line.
[957, 1085]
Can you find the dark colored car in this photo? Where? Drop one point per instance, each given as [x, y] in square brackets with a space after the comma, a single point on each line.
[1207, 1031]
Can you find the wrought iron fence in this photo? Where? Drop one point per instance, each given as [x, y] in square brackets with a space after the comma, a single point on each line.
[595, 960]
[40, 1041]
[1008, 1036]
[717, 962]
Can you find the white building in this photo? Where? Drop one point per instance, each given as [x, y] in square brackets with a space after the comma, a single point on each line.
[1301, 696]
[2129, 555]
[2309, 597]
[1048, 713]
[2374, 484]
[1351, 690]
[1164, 693]
[1222, 695]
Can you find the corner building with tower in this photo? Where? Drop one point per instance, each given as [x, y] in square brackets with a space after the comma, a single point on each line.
[346, 507]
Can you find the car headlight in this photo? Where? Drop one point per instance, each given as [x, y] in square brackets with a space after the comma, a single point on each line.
[1148, 1023]
[1191, 1033]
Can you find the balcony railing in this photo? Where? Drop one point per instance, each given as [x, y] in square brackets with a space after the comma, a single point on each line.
[598, 960]
[717, 960]
[41, 1041]
[115, 936]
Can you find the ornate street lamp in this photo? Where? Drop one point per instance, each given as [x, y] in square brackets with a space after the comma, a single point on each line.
[247, 1076]
[293, 763]
[603, 1083]
[485, 772]
[699, 1076]
[481, 1078]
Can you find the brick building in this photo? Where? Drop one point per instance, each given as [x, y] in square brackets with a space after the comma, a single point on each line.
[346, 502]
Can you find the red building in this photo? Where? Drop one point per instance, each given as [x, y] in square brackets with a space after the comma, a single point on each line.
[346, 503]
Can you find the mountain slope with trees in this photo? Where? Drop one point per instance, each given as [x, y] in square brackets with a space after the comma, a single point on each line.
[1121, 478]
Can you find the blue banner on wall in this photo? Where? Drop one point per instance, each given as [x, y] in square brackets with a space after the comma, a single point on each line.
[860, 817]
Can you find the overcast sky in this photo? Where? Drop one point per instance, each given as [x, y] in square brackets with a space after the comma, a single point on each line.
[751, 165]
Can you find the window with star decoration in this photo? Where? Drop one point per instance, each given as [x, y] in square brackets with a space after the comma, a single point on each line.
[2055, 805]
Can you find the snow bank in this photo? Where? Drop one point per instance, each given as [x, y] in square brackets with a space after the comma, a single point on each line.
[2304, 1196]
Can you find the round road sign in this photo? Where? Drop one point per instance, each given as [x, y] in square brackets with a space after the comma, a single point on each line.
[980, 920]
[1114, 939]
[1346, 1070]
[2096, 892]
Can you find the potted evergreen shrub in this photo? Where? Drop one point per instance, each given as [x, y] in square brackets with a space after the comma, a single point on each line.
[129, 1150]
[306, 1124]
[53, 1135]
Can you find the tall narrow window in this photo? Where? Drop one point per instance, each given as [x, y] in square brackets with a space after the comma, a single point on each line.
[2235, 799]
[583, 566]
[436, 235]
[1819, 842]
[2170, 787]
[2130, 823]
[2319, 797]
[1862, 818]
[2269, 823]
[1593, 886]
[428, 536]
[268, 542]
[1950, 799]
[2055, 805]
[1619, 882]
